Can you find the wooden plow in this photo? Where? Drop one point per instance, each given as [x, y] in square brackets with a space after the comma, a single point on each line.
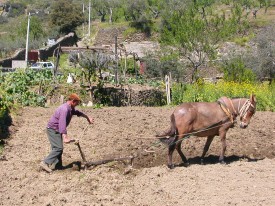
[87, 164]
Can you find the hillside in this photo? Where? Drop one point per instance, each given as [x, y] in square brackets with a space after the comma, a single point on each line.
[135, 41]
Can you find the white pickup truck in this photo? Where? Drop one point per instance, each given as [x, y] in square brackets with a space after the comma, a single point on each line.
[42, 65]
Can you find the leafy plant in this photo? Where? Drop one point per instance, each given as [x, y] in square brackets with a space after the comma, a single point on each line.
[98, 106]
[17, 87]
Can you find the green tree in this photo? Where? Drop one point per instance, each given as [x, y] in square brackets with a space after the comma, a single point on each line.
[203, 7]
[196, 31]
[91, 62]
[235, 70]
[261, 59]
[265, 3]
[66, 16]
[195, 40]
[141, 14]
[101, 8]
[162, 63]
[15, 9]
[36, 30]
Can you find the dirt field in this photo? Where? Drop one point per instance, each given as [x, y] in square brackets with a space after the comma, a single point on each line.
[247, 179]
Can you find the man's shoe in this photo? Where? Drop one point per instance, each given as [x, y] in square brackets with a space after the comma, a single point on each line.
[45, 167]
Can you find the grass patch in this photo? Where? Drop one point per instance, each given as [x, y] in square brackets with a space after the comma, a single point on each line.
[129, 31]
[1, 149]
[105, 25]
[244, 40]
[241, 41]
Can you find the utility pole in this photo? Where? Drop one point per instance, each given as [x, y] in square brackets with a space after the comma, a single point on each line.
[27, 40]
[83, 10]
[89, 29]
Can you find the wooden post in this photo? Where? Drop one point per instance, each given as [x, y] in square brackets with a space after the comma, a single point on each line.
[57, 54]
[125, 66]
[170, 86]
[134, 56]
[116, 70]
[167, 86]
[62, 99]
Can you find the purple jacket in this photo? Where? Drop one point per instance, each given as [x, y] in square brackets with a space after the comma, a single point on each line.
[62, 117]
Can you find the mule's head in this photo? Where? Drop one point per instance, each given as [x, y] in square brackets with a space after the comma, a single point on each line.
[248, 110]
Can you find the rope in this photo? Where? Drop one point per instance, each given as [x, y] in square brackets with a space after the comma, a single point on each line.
[153, 144]
[245, 108]
[188, 135]
[206, 129]
[84, 131]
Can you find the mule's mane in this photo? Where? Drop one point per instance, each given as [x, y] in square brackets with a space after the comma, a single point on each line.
[238, 98]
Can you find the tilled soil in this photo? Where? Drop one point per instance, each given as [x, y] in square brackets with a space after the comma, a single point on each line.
[247, 179]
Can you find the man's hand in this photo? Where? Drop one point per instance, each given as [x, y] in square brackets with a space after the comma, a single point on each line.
[76, 141]
[90, 120]
[66, 139]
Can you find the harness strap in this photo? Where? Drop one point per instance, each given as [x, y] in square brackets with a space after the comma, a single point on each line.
[233, 108]
[226, 110]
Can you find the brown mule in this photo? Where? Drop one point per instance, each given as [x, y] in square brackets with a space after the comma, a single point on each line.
[206, 119]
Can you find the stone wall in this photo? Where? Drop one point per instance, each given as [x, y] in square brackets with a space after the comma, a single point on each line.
[68, 40]
[106, 36]
[112, 96]
[131, 95]
[19, 55]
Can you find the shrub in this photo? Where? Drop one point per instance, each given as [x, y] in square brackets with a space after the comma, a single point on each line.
[5, 122]
[236, 71]
[16, 9]
[3, 20]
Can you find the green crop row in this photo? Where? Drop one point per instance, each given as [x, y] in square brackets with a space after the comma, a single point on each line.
[208, 92]
[21, 88]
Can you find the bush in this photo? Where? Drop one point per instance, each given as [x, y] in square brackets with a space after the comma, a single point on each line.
[160, 64]
[3, 20]
[5, 122]
[16, 9]
[236, 71]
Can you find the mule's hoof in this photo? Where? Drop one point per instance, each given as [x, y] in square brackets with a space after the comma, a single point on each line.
[186, 164]
[202, 162]
[222, 162]
[171, 166]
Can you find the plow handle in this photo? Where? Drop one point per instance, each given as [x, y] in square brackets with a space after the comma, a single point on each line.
[81, 152]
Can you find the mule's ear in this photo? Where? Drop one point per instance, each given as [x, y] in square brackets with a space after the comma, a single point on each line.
[253, 97]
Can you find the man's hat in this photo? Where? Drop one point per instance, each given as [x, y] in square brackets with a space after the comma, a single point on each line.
[74, 96]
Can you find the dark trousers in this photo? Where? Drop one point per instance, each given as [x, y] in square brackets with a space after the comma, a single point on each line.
[55, 156]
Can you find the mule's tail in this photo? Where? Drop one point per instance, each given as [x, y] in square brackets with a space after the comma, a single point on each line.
[169, 135]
